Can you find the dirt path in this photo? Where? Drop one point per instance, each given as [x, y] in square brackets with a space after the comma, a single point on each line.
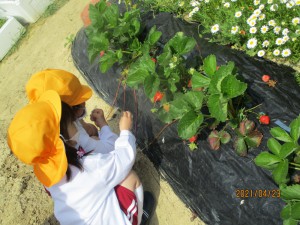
[22, 198]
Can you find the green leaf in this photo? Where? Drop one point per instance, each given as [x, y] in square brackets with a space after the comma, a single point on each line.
[136, 77]
[295, 129]
[100, 42]
[232, 87]
[199, 80]
[189, 124]
[274, 146]
[290, 192]
[111, 15]
[107, 61]
[254, 138]
[217, 107]
[210, 65]
[164, 116]
[151, 85]
[287, 149]
[179, 107]
[240, 146]
[181, 44]
[154, 35]
[214, 140]
[290, 222]
[225, 137]
[280, 134]
[164, 58]
[266, 160]
[291, 211]
[194, 98]
[281, 171]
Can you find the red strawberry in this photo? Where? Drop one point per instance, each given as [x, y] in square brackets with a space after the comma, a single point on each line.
[158, 96]
[193, 139]
[102, 53]
[265, 78]
[154, 60]
[264, 119]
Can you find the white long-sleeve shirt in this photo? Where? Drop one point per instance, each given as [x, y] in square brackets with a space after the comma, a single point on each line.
[104, 145]
[89, 197]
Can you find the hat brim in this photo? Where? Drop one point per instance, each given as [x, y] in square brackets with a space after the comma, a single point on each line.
[54, 168]
[84, 95]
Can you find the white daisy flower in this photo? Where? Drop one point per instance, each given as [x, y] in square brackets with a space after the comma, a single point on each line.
[290, 4]
[279, 41]
[286, 52]
[297, 2]
[191, 14]
[227, 5]
[270, 1]
[196, 9]
[238, 14]
[264, 29]
[283, 1]
[276, 52]
[215, 28]
[252, 42]
[234, 29]
[261, 53]
[272, 23]
[253, 30]
[285, 31]
[266, 43]
[194, 3]
[256, 2]
[296, 20]
[261, 16]
[261, 7]
[285, 38]
[251, 22]
[274, 7]
[277, 29]
[256, 12]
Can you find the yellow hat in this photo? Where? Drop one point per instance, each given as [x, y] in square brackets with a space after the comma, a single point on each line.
[33, 136]
[66, 84]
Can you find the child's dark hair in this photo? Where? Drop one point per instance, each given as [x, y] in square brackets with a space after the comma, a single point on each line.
[67, 117]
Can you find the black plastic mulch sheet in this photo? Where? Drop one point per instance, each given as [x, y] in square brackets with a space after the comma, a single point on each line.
[207, 181]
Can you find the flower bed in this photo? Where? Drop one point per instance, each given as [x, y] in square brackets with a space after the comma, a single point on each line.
[10, 32]
[210, 182]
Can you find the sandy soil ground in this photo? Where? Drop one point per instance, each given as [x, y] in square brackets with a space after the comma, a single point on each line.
[23, 200]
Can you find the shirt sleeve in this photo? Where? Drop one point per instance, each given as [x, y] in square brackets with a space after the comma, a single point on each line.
[116, 165]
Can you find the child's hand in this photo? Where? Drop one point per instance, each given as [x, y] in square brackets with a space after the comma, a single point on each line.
[97, 116]
[126, 121]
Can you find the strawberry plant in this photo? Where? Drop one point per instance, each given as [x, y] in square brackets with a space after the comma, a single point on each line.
[117, 35]
[282, 160]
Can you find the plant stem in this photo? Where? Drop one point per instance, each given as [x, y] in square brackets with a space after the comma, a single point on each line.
[253, 108]
[295, 164]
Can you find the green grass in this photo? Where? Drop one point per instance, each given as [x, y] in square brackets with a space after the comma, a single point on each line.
[2, 21]
[52, 9]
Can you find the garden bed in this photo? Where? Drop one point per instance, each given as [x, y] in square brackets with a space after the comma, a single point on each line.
[10, 33]
[209, 182]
